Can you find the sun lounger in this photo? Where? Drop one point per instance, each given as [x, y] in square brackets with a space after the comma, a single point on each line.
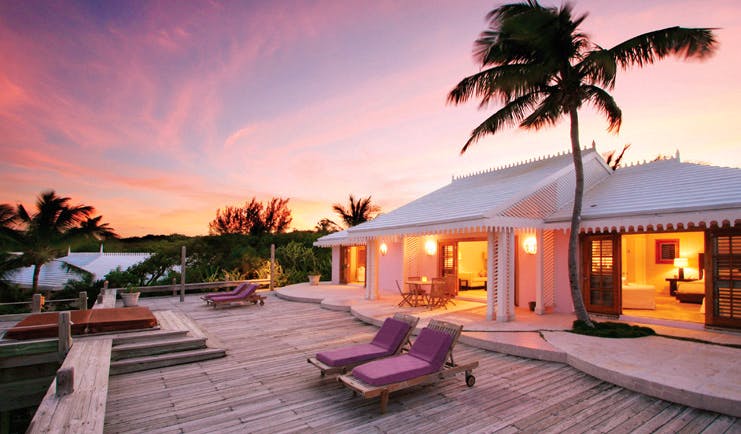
[430, 359]
[247, 295]
[207, 297]
[389, 340]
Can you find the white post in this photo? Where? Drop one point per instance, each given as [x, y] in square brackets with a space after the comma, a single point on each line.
[505, 275]
[272, 265]
[182, 274]
[539, 308]
[371, 268]
[491, 240]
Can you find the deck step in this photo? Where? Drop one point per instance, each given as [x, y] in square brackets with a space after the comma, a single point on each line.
[130, 338]
[155, 347]
[164, 360]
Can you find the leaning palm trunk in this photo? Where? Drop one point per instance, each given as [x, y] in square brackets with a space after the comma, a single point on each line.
[576, 294]
[35, 281]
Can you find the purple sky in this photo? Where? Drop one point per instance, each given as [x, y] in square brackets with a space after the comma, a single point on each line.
[158, 113]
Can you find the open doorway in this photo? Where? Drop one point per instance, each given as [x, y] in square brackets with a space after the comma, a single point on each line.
[472, 268]
[662, 276]
[352, 260]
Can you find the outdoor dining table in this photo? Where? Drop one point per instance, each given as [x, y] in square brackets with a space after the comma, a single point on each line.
[417, 287]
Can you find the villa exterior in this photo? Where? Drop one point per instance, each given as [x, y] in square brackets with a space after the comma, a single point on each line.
[654, 231]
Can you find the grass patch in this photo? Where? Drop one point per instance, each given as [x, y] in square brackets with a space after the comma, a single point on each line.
[611, 330]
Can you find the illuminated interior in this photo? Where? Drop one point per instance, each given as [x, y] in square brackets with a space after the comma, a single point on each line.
[648, 267]
[352, 262]
[472, 264]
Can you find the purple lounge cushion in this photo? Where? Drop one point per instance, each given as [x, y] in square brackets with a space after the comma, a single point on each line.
[244, 293]
[391, 335]
[352, 354]
[392, 370]
[234, 291]
[426, 356]
[431, 346]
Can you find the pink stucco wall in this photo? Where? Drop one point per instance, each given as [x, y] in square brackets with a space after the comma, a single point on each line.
[390, 269]
[525, 275]
[562, 294]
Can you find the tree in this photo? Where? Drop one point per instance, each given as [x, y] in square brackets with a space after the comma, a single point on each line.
[326, 225]
[253, 218]
[540, 67]
[614, 160]
[357, 212]
[41, 236]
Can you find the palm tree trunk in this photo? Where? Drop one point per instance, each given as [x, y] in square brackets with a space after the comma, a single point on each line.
[36, 272]
[576, 295]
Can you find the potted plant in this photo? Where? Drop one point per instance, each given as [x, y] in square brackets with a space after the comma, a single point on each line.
[314, 276]
[130, 296]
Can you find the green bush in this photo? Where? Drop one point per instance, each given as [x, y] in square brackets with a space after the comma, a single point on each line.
[611, 330]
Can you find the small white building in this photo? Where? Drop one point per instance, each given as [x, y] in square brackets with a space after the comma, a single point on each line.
[651, 235]
[55, 274]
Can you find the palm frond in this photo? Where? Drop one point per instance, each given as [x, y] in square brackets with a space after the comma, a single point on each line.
[599, 67]
[509, 115]
[546, 113]
[605, 104]
[645, 49]
[503, 82]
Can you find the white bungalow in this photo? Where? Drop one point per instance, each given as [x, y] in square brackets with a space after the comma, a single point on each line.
[56, 273]
[648, 233]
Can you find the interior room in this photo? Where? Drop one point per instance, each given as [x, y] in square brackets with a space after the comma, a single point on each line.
[353, 265]
[472, 265]
[662, 276]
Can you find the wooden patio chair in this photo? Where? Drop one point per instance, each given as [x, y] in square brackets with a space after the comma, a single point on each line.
[438, 296]
[406, 297]
[430, 359]
[391, 338]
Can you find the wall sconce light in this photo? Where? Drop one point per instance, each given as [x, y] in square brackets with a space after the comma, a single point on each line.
[430, 247]
[383, 249]
[530, 245]
[680, 263]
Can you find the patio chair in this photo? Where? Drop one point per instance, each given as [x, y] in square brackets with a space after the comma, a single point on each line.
[389, 340]
[237, 289]
[438, 295]
[247, 295]
[430, 359]
[406, 297]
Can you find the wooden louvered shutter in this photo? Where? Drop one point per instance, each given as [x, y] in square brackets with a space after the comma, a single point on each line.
[723, 307]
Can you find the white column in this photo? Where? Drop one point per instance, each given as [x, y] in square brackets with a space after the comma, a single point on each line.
[371, 283]
[539, 308]
[511, 252]
[502, 280]
[491, 240]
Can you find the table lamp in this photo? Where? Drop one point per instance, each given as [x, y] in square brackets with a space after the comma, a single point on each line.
[680, 263]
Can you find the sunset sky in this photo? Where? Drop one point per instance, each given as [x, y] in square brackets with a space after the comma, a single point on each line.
[158, 113]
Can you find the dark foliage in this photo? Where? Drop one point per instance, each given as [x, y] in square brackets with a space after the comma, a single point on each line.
[253, 218]
[611, 330]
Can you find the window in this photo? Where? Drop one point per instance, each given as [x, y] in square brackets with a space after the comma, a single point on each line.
[666, 251]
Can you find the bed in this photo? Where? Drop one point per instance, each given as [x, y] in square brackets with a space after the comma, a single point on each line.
[691, 292]
[639, 296]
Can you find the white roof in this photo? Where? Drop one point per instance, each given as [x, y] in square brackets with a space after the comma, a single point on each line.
[539, 194]
[667, 191]
[54, 274]
[494, 198]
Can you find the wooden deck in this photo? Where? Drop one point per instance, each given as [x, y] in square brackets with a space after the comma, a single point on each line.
[265, 385]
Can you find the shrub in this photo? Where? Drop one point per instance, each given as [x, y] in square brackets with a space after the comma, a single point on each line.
[611, 330]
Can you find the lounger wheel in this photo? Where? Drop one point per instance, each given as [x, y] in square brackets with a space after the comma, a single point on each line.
[262, 302]
[470, 380]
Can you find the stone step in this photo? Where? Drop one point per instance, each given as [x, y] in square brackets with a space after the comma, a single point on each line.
[155, 347]
[164, 360]
[129, 338]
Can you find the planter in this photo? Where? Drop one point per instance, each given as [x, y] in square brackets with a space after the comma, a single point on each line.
[130, 299]
[531, 305]
[314, 279]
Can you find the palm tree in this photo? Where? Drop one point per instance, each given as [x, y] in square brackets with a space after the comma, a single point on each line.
[357, 212]
[540, 67]
[56, 223]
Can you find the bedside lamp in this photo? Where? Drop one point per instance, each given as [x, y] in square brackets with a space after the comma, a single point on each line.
[680, 263]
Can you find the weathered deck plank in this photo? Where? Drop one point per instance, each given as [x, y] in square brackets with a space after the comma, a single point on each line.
[265, 385]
